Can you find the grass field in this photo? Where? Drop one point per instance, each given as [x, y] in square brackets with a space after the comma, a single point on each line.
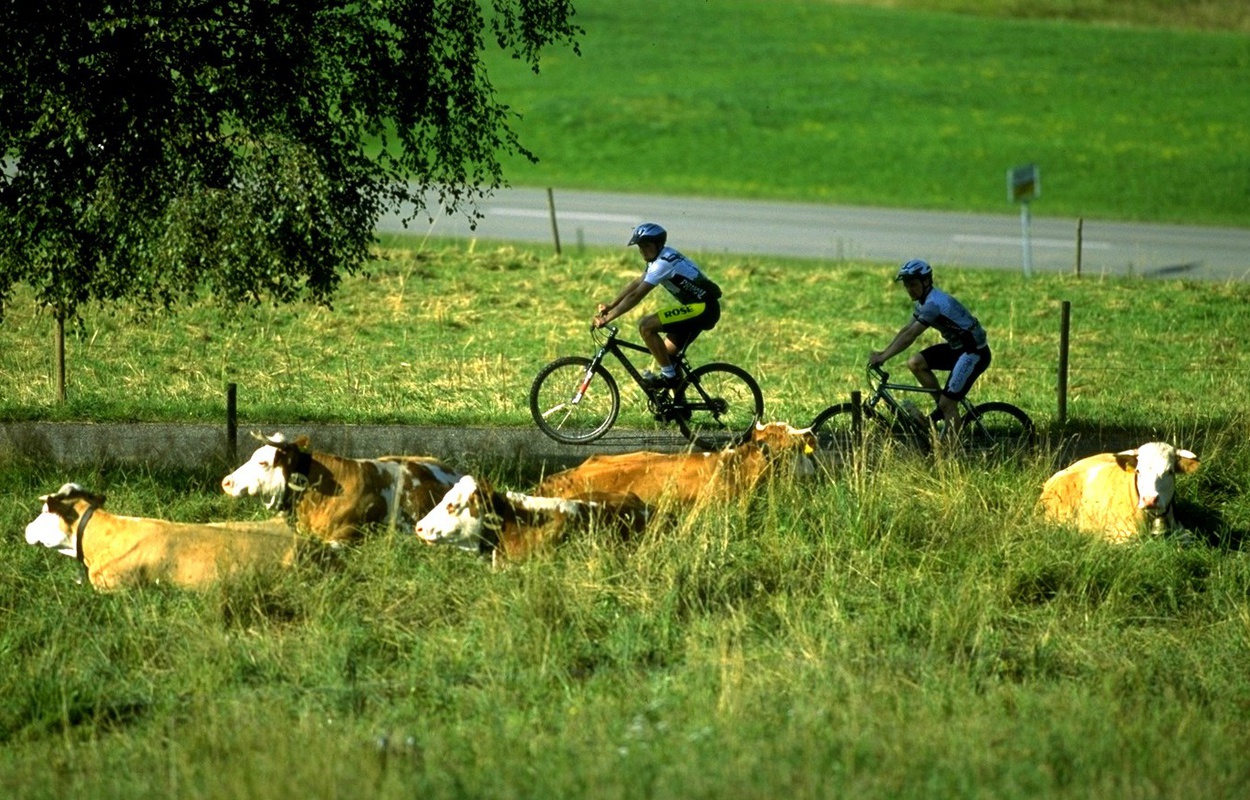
[840, 103]
[448, 336]
[910, 630]
[907, 631]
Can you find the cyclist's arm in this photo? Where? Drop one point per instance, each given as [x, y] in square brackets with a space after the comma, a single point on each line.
[629, 297]
[902, 340]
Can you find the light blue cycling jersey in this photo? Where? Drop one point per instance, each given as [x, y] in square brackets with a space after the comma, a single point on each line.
[681, 277]
[960, 329]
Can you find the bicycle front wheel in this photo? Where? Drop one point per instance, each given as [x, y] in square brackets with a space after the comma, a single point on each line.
[841, 428]
[999, 429]
[573, 403]
[717, 406]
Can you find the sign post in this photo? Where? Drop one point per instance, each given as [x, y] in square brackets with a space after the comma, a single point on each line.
[1023, 184]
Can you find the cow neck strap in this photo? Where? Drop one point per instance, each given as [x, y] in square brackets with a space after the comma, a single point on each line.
[297, 480]
[78, 536]
[80, 530]
[492, 526]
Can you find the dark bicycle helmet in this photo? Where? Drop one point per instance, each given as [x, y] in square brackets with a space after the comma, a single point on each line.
[648, 232]
[914, 269]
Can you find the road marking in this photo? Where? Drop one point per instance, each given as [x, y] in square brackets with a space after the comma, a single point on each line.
[581, 216]
[1015, 242]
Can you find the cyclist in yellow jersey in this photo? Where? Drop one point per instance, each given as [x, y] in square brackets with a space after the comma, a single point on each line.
[698, 301]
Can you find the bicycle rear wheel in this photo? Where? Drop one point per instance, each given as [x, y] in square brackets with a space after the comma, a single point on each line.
[998, 429]
[573, 404]
[717, 406]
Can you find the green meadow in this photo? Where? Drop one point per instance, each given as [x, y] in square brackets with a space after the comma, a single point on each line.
[843, 103]
[454, 333]
[899, 626]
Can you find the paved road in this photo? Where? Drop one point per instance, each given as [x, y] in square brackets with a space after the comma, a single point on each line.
[836, 232]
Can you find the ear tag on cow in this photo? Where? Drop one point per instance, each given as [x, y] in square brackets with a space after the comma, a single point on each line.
[297, 483]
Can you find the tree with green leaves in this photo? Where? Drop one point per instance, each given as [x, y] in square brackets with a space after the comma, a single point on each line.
[158, 149]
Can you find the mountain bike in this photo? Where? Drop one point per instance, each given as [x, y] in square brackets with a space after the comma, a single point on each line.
[576, 400]
[991, 428]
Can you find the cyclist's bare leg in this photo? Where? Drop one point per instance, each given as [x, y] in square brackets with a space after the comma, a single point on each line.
[661, 349]
[947, 407]
[950, 413]
[925, 377]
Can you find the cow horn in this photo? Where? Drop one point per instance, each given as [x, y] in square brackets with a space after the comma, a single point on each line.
[276, 439]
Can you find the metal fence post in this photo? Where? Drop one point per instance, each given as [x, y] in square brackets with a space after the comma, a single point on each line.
[1065, 324]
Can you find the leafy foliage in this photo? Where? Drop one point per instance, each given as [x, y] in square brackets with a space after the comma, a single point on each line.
[154, 148]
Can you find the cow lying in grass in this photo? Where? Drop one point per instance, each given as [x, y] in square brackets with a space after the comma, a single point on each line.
[137, 551]
[688, 477]
[336, 498]
[1119, 495]
[473, 516]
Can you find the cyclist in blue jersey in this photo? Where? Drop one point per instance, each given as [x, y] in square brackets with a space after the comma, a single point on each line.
[697, 296]
[965, 351]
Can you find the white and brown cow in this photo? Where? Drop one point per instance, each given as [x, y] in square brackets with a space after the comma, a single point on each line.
[476, 517]
[336, 498]
[1119, 495]
[119, 551]
[690, 477]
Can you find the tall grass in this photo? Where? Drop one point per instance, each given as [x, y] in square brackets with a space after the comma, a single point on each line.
[905, 632]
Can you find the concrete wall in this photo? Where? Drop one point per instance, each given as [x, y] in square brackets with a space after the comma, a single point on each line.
[199, 445]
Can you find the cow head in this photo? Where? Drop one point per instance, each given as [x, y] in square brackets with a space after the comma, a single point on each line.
[459, 519]
[1154, 466]
[776, 438]
[55, 527]
[269, 473]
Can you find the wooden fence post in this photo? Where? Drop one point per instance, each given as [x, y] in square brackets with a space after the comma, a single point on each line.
[857, 416]
[1065, 324]
[59, 345]
[232, 423]
[1080, 228]
[555, 229]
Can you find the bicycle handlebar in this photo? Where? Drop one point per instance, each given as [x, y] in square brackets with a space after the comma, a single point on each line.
[611, 329]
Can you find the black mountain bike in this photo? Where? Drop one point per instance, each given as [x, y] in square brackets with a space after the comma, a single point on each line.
[992, 428]
[576, 400]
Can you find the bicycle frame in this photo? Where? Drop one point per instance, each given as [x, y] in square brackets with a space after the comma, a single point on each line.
[986, 427]
[617, 348]
[714, 405]
[879, 382]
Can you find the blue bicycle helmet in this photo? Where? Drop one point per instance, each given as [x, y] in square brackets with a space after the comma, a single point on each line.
[648, 232]
[914, 269]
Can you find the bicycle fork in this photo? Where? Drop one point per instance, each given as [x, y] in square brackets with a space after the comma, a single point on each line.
[589, 375]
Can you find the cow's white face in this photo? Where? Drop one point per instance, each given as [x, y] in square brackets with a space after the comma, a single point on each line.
[1155, 465]
[457, 519]
[259, 477]
[50, 530]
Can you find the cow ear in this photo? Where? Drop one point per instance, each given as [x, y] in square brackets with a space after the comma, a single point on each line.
[1186, 461]
[301, 443]
[1127, 460]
